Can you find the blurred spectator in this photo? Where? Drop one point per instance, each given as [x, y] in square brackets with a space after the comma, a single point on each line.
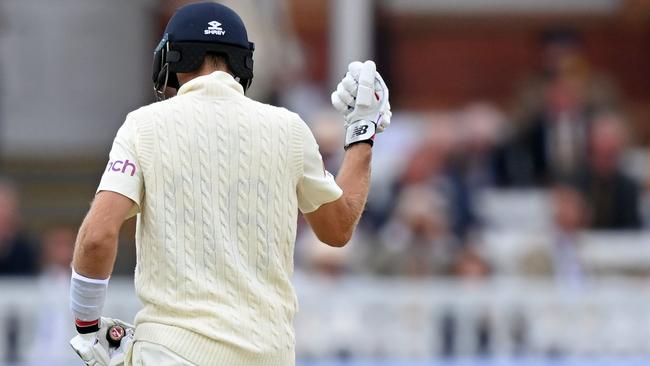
[53, 330]
[555, 110]
[558, 256]
[469, 264]
[476, 162]
[481, 128]
[391, 157]
[432, 165]
[17, 256]
[56, 255]
[612, 194]
[319, 258]
[417, 241]
[430, 161]
[327, 127]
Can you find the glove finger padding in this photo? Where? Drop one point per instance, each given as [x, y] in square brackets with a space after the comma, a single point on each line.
[339, 104]
[354, 68]
[349, 83]
[377, 97]
[343, 98]
[366, 92]
[345, 95]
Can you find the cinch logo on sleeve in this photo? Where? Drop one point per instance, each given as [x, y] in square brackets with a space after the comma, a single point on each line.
[214, 27]
[121, 166]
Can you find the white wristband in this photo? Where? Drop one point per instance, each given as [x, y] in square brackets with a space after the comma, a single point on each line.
[87, 296]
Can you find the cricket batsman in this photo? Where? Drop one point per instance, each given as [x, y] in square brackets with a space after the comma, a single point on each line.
[216, 180]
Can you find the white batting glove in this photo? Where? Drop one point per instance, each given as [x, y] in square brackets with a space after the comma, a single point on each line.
[95, 349]
[362, 98]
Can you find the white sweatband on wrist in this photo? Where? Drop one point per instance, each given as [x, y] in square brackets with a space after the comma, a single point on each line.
[87, 296]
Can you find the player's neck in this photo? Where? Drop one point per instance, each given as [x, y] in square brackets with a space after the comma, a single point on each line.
[204, 70]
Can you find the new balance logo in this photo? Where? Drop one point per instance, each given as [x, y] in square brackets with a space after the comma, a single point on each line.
[359, 130]
[214, 27]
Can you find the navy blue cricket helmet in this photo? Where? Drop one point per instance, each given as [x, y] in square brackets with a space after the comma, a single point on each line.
[195, 30]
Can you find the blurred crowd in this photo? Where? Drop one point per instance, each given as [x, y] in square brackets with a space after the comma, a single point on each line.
[23, 255]
[566, 135]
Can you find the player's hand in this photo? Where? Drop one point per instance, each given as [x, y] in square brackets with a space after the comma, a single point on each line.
[95, 349]
[362, 98]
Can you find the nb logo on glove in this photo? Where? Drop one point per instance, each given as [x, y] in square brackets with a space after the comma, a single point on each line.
[359, 130]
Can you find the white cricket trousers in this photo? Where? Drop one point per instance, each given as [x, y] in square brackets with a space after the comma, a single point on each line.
[151, 354]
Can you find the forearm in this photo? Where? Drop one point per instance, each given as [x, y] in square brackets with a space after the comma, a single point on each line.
[92, 263]
[94, 253]
[354, 180]
[94, 256]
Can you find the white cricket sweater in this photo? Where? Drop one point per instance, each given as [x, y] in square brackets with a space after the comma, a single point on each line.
[217, 180]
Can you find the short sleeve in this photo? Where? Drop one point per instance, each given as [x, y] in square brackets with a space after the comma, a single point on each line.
[316, 186]
[123, 174]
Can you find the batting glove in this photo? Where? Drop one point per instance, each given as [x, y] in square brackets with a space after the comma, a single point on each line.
[107, 346]
[362, 98]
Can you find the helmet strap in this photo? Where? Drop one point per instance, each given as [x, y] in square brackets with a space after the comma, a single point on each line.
[160, 86]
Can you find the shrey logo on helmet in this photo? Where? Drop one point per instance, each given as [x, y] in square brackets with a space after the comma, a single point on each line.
[214, 28]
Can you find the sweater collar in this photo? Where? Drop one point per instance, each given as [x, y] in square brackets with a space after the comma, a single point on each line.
[218, 83]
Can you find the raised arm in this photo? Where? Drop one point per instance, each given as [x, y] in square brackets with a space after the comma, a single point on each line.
[362, 97]
[334, 222]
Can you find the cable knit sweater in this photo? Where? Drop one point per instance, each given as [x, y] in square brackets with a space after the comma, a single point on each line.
[217, 180]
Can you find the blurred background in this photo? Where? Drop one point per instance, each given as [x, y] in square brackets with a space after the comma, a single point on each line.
[508, 220]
